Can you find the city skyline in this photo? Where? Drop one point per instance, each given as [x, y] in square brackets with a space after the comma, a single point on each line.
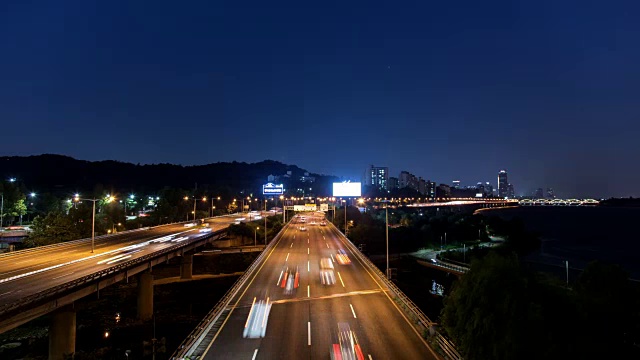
[452, 91]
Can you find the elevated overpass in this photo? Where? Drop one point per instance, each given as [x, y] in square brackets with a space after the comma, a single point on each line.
[35, 282]
[312, 294]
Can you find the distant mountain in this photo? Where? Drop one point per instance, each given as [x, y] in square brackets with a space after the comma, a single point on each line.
[58, 174]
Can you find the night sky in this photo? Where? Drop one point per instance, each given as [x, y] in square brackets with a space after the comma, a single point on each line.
[448, 90]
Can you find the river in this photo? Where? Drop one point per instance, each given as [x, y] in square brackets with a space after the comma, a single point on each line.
[581, 234]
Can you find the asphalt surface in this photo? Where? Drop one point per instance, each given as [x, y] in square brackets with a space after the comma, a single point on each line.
[26, 273]
[304, 324]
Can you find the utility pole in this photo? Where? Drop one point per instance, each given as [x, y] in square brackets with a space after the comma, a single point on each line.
[2, 211]
[265, 221]
[345, 217]
[386, 229]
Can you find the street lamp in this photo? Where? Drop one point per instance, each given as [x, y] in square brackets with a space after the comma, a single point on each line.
[255, 236]
[345, 217]
[284, 219]
[93, 218]
[1, 210]
[386, 230]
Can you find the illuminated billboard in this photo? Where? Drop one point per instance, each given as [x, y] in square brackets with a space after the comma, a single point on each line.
[347, 189]
[324, 207]
[272, 189]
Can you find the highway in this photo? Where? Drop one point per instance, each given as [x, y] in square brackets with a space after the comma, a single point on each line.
[305, 322]
[24, 273]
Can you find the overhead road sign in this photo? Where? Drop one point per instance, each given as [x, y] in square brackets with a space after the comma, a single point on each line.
[272, 189]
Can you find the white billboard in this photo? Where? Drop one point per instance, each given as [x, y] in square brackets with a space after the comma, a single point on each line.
[347, 189]
[324, 207]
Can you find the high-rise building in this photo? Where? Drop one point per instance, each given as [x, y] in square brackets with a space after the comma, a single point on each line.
[443, 191]
[503, 184]
[456, 184]
[480, 189]
[539, 193]
[488, 189]
[407, 179]
[377, 177]
[393, 183]
[511, 194]
[431, 190]
[422, 186]
[550, 193]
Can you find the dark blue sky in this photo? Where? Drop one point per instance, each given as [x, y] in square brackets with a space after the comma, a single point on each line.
[549, 90]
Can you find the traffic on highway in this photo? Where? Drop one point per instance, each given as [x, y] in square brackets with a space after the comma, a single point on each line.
[28, 272]
[311, 298]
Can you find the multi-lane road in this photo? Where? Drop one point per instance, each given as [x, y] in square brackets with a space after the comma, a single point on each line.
[24, 273]
[305, 317]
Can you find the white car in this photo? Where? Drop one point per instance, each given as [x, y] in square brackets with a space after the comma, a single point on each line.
[188, 225]
[302, 228]
[205, 230]
[327, 276]
[256, 325]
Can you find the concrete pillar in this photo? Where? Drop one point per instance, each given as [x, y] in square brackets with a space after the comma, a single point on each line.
[186, 267]
[145, 296]
[62, 334]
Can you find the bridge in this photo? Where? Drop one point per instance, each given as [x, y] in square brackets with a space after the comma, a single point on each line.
[312, 294]
[48, 279]
[558, 202]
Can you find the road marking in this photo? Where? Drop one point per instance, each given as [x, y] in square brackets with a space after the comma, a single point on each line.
[308, 291]
[340, 276]
[285, 260]
[332, 258]
[291, 245]
[307, 251]
[8, 292]
[327, 245]
[250, 311]
[353, 311]
[255, 353]
[370, 358]
[323, 237]
[307, 240]
[308, 266]
[309, 332]
[58, 277]
[279, 278]
[342, 238]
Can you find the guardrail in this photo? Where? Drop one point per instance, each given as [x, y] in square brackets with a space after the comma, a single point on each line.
[445, 345]
[448, 265]
[78, 241]
[193, 340]
[99, 274]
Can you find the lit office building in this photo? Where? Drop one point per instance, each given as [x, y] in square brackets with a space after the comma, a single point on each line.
[503, 184]
[377, 177]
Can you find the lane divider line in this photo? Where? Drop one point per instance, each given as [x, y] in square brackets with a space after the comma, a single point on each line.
[309, 333]
[287, 259]
[308, 266]
[255, 353]
[340, 276]
[308, 291]
[353, 311]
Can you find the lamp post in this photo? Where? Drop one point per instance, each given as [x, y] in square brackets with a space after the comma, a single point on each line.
[255, 235]
[345, 217]
[284, 219]
[386, 230]
[213, 207]
[93, 218]
[2, 211]
[265, 221]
